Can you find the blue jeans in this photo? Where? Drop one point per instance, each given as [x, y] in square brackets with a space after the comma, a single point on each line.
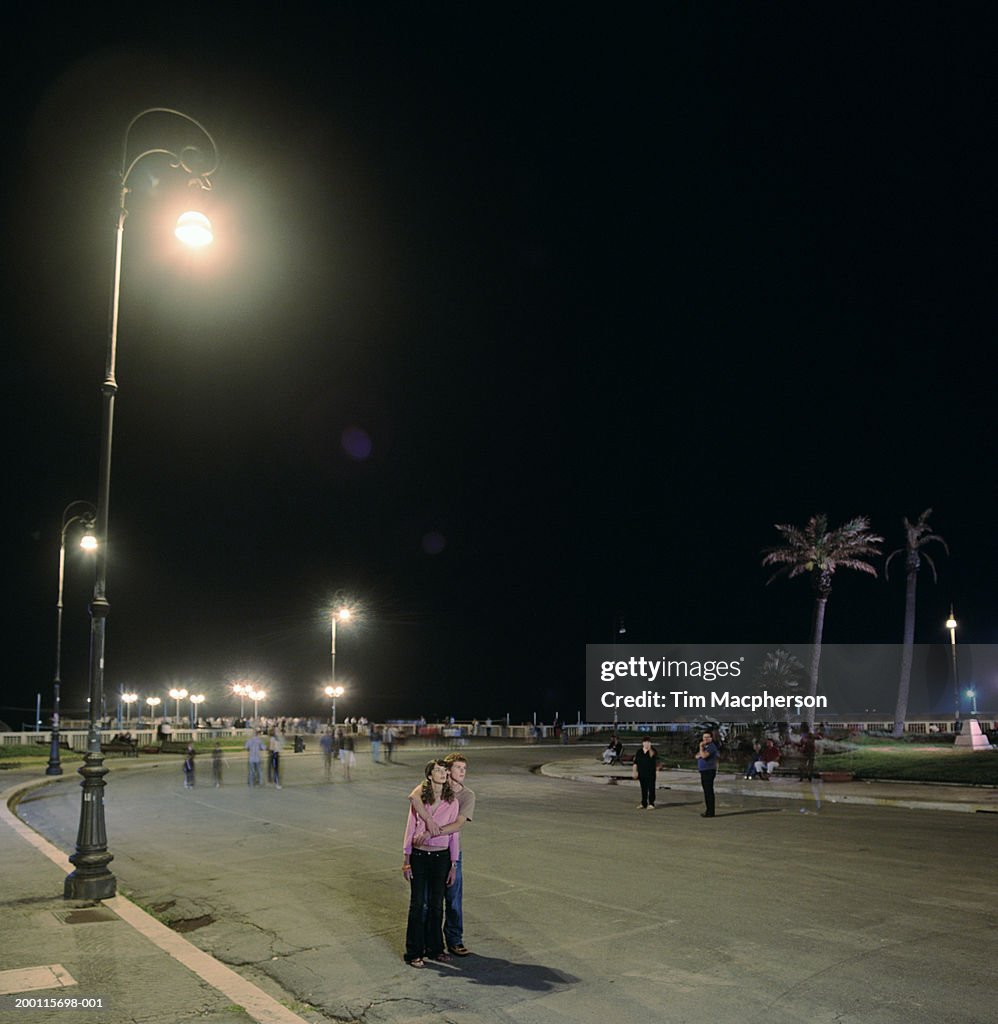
[254, 773]
[454, 918]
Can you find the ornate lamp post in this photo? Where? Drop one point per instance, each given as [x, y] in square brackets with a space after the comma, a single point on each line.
[92, 879]
[75, 512]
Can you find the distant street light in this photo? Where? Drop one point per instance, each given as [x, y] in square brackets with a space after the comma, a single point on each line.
[75, 512]
[153, 703]
[92, 878]
[196, 700]
[334, 692]
[178, 696]
[239, 689]
[256, 696]
[972, 694]
[128, 699]
[951, 626]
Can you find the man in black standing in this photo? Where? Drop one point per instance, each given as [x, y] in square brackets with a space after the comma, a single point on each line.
[708, 757]
[645, 767]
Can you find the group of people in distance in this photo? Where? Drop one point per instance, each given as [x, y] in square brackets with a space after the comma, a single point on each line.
[439, 808]
[645, 770]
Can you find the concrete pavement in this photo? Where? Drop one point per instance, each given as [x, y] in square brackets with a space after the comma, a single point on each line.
[919, 796]
[145, 971]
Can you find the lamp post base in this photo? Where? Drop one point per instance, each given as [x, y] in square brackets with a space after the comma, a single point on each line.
[92, 880]
[54, 765]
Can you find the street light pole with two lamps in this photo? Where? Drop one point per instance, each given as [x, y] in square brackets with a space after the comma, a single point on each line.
[91, 878]
[85, 513]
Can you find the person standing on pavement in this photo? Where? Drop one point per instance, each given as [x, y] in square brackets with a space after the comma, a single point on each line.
[276, 746]
[457, 765]
[645, 769]
[326, 746]
[807, 752]
[255, 746]
[429, 865]
[217, 761]
[708, 757]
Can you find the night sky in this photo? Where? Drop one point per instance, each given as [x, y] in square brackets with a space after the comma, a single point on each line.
[516, 323]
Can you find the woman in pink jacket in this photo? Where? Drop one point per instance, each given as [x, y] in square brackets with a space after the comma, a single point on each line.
[429, 867]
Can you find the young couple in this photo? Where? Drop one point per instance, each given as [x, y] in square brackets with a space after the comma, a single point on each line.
[431, 861]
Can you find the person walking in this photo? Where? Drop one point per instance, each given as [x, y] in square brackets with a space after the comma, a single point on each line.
[645, 771]
[429, 864]
[255, 746]
[375, 734]
[708, 757]
[389, 743]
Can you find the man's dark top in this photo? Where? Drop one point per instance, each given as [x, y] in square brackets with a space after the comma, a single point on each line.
[646, 764]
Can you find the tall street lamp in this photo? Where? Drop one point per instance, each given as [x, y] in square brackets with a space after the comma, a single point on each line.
[178, 696]
[334, 692]
[75, 512]
[342, 614]
[128, 699]
[92, 878]
[153, 703]
[951, 626]
[196, 700]
[239, 689]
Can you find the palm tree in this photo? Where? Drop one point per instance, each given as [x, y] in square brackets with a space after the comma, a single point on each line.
[918, 536]
[819, 551]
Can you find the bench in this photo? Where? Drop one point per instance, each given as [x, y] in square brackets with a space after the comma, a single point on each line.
[130, 748]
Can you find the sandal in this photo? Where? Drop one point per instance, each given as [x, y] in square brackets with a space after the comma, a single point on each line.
[442, 957]
[416, 961]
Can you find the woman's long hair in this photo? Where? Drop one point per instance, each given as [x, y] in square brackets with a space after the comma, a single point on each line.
[426, 794]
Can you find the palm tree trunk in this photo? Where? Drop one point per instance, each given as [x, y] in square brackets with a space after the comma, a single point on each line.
[907, 649]
[819, 627]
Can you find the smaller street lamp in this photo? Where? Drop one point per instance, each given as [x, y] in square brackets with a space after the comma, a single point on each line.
[239, 690]
[128, 699]
[972, 694]
[153, 703]
[196, 699]
[951, 626]
[178, 696]
[334, 692]
[85, 514]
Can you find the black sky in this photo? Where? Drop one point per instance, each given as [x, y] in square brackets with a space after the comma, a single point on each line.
[610, 295]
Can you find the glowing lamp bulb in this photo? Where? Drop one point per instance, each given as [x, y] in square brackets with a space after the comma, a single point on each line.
[194, 229]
